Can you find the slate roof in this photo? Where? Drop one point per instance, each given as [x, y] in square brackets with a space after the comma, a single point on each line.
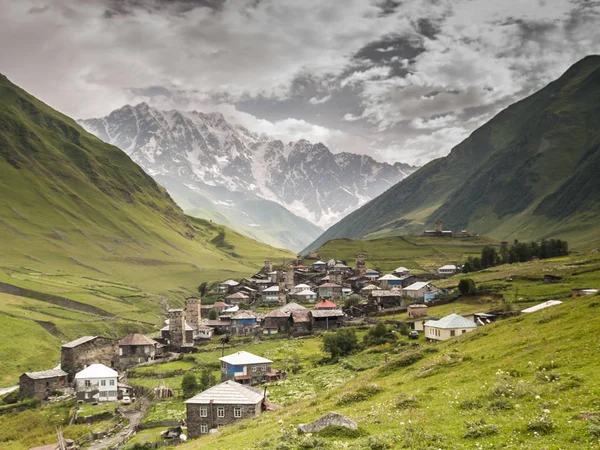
[321, 313]
[292, 306]
[136, 339]
[301, 316]
[79, 341]
[229, 393]
[52, 373]
[452, 321]
[386, 293]
[238, 295]
[241, 358]
[96, 371]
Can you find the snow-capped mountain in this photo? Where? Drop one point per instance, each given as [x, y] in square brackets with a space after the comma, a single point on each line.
[202, 151]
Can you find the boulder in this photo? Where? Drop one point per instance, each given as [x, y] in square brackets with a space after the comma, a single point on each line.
[328, 420]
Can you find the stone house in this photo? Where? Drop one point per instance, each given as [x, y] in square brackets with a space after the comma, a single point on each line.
[417, 310]
[237, 298]
[326, 319]
[301, 323]
[135, 349]
[97, 383]
[330, 290]
[270, 295]
[222, 405]
[382, 299]
[43, 384]
[165, 332]
[244, 367]
[87, 350]
[448, 327]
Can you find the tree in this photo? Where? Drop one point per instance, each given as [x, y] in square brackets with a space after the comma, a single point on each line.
[202, 288]
[213, 314]
[466, 286]
[339, 343]
[207, 379]
[189, 385]
[352, 300]
[379, 334]
[489, 257]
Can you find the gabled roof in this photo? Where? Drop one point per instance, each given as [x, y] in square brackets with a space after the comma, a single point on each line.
[220, 305]
[401, 270]
[229, 283]
[321, 313]
[448, 267]
[325, 304]
[319, 263]
[237, 296]
[241, 358]
[370, 287]
[243, 315]
[271, 289]
[96, 371]
[305, 293]
[416, 286]
[301, 316]
[302, 286]
[229, 393]
[542, 306]
[136, 339]
[292, 306]
[371, 271]
[385, 293]
[340, 266]
[79, 341]
[452, 321]
[52, 373]
[330, 285]
[388, 277]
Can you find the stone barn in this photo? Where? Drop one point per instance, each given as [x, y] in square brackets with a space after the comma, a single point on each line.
[43, 384]
[88, 350]
[417, 310]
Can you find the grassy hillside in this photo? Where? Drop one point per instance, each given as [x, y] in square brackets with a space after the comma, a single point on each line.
[79, 220]
[528, 173]
[417, 253]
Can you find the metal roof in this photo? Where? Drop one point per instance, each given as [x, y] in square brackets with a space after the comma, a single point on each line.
[238, 295]
[388, 277]
[241, 358]
[305, 293]
[271, 289]
[330, 285]
[136, 339]
[401, 270]
[325, 304]
[81, 340]
[542, 306]
[52, 373]
[243, 315]
[230, 283]
[416, 286]
[96, 371]
[302, 286]
[229, 393]
[452, 321]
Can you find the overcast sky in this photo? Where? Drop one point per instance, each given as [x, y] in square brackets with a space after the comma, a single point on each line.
[400, 80]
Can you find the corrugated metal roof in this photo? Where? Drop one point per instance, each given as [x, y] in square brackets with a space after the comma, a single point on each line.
[416, 286]
[79, 341]
[97, 371]
[52, 373]
[136, 339]
[325, 304]
[389, 277]
[241, 358]
[542, 306]
[229, 393]
[306, 293]
[452, 321]
[330, 285]
[271, 289]
[229, 283]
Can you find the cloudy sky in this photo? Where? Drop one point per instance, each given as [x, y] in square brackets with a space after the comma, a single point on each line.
[402, 80]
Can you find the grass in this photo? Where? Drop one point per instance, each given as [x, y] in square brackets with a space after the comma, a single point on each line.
[89, 409]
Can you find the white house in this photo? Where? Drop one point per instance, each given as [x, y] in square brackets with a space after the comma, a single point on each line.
[306, 296]
[270, 295]
[227, 286]
[245, 368]
[402, 271]
[96, 383]
[448, 327]
[389, 281]
[448, 269]
[418, 290]
[299, 288]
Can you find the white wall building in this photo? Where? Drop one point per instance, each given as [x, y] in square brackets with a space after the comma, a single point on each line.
[418, 290]
[448, 269]
[448, 327]
[97, 383]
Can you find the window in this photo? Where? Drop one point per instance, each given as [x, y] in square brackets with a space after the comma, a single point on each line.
[203, 411]
[264, 368]
[220, 411]
[120, 351]
[111, 382]
[103, 393]
[237, 412]
[464, 331]
[102, 382]
[452, 332]
[203, 428]
[87, 383]
[254, 369]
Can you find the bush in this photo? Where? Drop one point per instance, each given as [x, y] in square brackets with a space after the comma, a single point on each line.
[594, 430]
[480, 429]
[473, 403]
[189, 385]
[334, 431]
[379, 334]
[340, 343]
[360, 395]
[407, 359]
[500, 404]
[466, 286]
[403, 402]
[541, 424]
[213, 314]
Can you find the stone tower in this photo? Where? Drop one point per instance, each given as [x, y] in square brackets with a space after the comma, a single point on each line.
[176, 328]
[336, 277]
[268, 266]
[438, 226]
[360, 267]
[289, 278]
[192, 312]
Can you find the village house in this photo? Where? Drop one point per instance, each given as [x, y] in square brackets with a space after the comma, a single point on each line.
[243, 323]
[416, 310]
[448, 269]
[372, 274]
[86, 350]
[346, 291]
[96, 383]
[341, 268]
[418, 290]
[227, 287]
[245, 368]
[220, 326]
[222, 405]
[306, 296]
[326, 319]
[330, 290]
[270, 295]
[301, 323]
[383, 299]
[237, 298]
[204, 332]
[389, 281]
[42, 385]
[250, 292]
[299, 288]
[135, 349]
[448, 327]
[219, 306]
[400, 271]
[319, 265]
[365, 291]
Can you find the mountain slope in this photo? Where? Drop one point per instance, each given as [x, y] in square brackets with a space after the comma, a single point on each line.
[528, 173]
[84, 226]
[198, 151]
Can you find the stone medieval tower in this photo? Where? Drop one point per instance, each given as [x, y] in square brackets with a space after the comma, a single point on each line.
[268, 267]
[289, 278]
[192, 312]
[360, 267]
[176, 328]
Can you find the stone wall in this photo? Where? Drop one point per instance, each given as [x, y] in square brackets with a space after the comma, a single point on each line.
[194, 421]
[193, 314]
[177, 337]
[98, 351]
[41, 388]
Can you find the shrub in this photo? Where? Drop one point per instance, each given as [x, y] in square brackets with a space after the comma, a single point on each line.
[594, 430]
[403, 402]
[377, 442]
[500, 404]
[466, 286]
[189, 385]
[361, 394]
[547, 377]
[541, 424]
[339, 343]
[473, 403]
[572, 382]
[480, 429]
[409, 358]
[548, 366]
[213, 314]
[335, 431]
[379, 334]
